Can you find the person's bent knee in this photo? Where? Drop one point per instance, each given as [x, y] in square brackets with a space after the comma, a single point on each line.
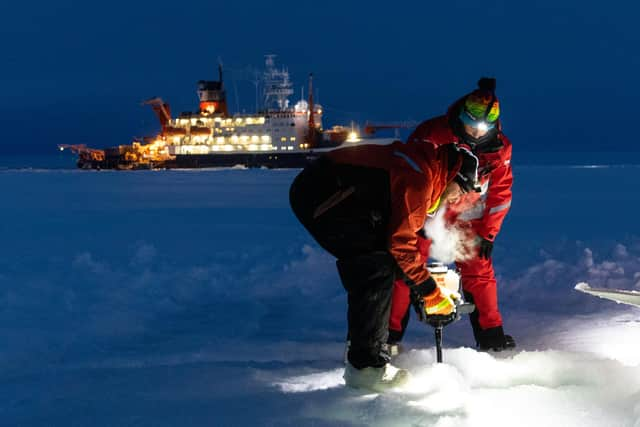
[370, 270]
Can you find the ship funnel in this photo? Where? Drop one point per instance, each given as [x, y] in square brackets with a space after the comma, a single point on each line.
[212, 96]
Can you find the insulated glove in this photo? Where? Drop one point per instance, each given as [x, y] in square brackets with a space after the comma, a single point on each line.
[440, 301]
[486, 247]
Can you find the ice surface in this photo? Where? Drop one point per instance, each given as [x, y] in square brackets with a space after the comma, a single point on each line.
[195, 298]
[527, 388]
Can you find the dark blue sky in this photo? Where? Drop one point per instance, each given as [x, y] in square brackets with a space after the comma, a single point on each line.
[76, 71]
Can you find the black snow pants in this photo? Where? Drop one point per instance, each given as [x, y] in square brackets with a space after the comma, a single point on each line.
[346, 209]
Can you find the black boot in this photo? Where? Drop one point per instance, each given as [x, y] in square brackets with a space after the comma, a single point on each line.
[494, 339]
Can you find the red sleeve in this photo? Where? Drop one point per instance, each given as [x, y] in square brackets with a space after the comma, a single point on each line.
[424, 247]
[410, 192]
[498, 199]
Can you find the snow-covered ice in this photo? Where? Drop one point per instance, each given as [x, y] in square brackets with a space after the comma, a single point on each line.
[195, 298]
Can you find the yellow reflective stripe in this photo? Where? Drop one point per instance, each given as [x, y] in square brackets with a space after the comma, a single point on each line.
[435, 206]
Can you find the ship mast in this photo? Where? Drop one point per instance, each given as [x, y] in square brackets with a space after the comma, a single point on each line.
[311, 132]
[277, 86]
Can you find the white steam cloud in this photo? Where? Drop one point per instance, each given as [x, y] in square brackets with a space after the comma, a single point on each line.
[449, 242]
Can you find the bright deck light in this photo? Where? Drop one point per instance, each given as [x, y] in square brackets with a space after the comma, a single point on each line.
[353, 137]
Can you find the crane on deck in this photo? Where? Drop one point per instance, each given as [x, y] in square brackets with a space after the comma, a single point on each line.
[161, 109]
[84, 153]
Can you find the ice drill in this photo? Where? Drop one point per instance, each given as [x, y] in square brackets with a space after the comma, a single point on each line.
[450, 279]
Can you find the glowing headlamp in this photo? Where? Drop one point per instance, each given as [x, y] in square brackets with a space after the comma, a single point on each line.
[475, 122]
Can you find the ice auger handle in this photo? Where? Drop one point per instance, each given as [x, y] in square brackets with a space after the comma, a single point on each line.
[436, 320]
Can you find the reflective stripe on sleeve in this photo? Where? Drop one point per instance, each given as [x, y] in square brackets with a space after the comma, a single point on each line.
[500, 208]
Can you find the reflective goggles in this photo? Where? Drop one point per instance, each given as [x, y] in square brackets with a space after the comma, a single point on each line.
[475, 122]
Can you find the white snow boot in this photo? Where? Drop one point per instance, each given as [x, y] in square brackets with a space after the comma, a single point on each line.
[375, 379]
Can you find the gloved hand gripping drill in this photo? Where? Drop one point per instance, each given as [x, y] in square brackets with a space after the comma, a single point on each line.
[433, 301]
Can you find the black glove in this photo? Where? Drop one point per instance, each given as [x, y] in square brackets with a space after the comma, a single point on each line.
[486, 247]
[417, 294]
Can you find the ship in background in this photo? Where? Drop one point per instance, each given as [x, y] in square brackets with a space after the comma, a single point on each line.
[277, 136]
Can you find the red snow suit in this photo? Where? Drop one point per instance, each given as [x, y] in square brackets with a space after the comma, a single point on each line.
[418, 175]
[483, 212]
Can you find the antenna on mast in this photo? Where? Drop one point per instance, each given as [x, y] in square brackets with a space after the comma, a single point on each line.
[277, 86]
[311, 132]
[220, 70]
